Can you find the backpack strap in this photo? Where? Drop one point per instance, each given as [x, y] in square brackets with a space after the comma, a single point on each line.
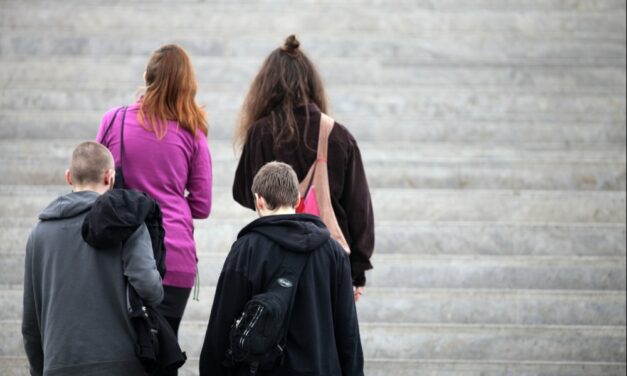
[290, 272]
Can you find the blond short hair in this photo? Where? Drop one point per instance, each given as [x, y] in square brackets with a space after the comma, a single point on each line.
[277, 183]
[89, 162]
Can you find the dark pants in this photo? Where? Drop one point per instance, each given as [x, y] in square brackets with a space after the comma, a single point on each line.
[172, 308]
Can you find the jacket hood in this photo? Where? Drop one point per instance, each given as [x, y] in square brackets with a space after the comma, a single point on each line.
[69, 205]
[293, 232]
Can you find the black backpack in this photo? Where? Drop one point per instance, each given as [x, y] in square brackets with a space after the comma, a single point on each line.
[257, 339]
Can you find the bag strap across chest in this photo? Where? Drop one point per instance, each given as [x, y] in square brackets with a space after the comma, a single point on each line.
[317, 183]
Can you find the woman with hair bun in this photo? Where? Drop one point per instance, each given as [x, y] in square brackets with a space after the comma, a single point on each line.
[280, 120]
[166, 155]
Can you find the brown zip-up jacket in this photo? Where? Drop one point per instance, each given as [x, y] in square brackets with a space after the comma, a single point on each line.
[350, 195]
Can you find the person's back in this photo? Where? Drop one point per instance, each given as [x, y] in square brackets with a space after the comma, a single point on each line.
[323, 335]
[75, 320]
[280, 120]
[166, 155]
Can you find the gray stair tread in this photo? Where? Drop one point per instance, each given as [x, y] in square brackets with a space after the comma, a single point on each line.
[448, 306]
[425, 271]
[507, 128]
[509, 206]
[58, 150]
[447, 103]
[17, 366]
[220, 74]
[582, 6]
[442, 341]
[235, 20]
[424, 165]
[549, 239]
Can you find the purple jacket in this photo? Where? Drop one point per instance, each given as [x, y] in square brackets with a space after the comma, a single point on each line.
[166, 169]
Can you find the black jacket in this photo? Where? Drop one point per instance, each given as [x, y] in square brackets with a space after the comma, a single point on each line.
[113, 218]
[117, 214]
[323, 336]
[350, 195]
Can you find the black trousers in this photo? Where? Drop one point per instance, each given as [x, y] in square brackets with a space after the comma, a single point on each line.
[172, 308]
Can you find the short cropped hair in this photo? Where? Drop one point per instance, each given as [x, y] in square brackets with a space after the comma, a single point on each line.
[277, 183]
[89, 162]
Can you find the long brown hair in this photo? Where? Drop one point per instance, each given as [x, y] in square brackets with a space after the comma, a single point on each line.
[170, 93]
[287, 79]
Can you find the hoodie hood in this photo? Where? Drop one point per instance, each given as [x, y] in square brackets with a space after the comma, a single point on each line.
[69, 205]
[293, 232]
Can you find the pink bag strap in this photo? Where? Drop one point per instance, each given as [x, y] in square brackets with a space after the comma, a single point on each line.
[326, 126]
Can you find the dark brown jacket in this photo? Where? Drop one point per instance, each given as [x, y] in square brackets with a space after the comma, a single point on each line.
[350, 195]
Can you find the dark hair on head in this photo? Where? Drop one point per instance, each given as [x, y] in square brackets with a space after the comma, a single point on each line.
[277, 183]
[287, 79]
[89, 162]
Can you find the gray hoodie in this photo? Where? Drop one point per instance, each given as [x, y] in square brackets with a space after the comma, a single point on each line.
[75, 320]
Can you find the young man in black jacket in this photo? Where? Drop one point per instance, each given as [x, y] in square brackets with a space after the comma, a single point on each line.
[323, 334]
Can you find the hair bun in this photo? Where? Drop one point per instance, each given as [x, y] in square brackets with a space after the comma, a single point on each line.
[291, 44]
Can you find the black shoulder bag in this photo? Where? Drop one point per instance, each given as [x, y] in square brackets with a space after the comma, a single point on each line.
[157, 346]
[257, 339]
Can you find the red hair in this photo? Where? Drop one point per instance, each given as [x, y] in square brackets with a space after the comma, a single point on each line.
[170, 93]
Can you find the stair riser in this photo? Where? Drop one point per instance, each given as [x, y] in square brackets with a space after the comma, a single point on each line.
[19, 367]
[425, 342]
[441, 307]
[420, 238]
[409, 205]
[444, 49]
[598, 176]
[443, 104]
[595, 274]
[238, 73]
[16, 124]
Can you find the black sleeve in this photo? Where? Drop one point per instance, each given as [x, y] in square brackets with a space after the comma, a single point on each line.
[232, 293]
[357, 204]
[346, 325]
[30, 323]
[255, 154]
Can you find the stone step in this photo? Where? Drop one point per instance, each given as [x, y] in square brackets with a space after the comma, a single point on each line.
[438, 342]
[449, 271]
[510, 128]
[455, 48]
[18, 366]
[582, 6]
[421, 238]
[445, 103]
[218, 74]
[403, 152]
[250, 20]
[17, 201]
[446, 306]
[387, 165]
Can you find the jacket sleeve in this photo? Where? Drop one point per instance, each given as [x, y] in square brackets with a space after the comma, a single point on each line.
[31, 333]
[346, 324]
[140, 267]
[232, 293]
[357, 204]
[255, 154]
[200, 180]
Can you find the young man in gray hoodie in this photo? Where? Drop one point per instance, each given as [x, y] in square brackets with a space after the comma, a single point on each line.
[75, 319]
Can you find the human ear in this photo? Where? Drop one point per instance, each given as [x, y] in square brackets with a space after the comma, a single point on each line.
[109, 178]
[68, 177]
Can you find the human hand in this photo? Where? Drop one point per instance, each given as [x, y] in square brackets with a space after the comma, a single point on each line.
[358, 292]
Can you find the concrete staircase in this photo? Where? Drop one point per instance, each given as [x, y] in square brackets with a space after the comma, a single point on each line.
[493, 134]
